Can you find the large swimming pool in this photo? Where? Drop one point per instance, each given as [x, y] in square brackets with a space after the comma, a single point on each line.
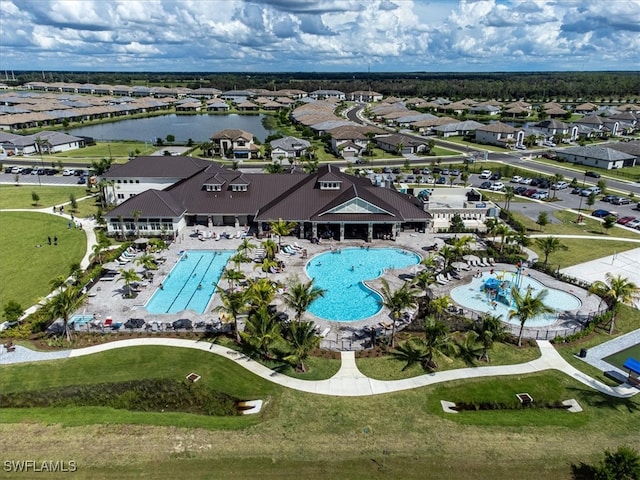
[474, 297]
[342, 273]
[191, 283]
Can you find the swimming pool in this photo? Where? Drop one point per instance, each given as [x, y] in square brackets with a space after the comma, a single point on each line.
[342, 274]
[473, 297]
[191, 283]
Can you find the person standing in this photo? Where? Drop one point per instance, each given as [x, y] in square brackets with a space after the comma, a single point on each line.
[49, 240]
[55, 240]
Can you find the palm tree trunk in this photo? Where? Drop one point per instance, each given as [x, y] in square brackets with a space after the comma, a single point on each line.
[520, 334]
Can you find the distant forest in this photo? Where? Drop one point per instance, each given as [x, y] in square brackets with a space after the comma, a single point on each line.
[538, 86]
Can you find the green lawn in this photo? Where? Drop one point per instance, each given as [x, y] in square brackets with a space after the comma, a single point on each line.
[26, 268]
[119, 151]
[399, 435]
[20, 197]
[388, 368]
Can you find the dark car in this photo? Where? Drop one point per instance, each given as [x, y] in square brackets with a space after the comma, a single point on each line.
[592, 174]
[51, 171]
[8, 169]
[441, 180]
[520, 190]
[496, 176]
[486, 184]
[600, 213]
[608, 198]
[26, 171]
[576, 190]
[81, 180]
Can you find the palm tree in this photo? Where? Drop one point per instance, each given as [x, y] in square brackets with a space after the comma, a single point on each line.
[397, 300]
[519, 238]
[260, 292]
[233, 305]
[615, 290]
[489, 329]
[299, 296]
[238, 258]
[136, 218]
[282, 228]
[246, 246]
[58, 282]
[270, 248]
[303, 339]
[129, 276]
[147, 262]
[549, 245]
[448, 254]
[122, 228]
[439, 305]
[460, 245]
[62, 306]
[232, 276]
[411, 351]
[509, 194]
[502, 230]
[99, 248]
[469, 348]
[527, 307]
[437, 341]
[261, 331]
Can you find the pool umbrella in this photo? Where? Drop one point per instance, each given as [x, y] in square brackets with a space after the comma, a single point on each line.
[471, 258]
[460, 265]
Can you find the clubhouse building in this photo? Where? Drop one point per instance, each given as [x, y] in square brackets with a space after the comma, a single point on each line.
[161, 195]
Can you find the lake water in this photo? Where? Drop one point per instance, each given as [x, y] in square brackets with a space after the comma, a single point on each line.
[197, 127]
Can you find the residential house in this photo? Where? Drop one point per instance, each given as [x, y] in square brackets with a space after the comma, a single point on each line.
[288, 148]
[327, 94]
[597, 156]
[235, 143]
[499, 134]
[457, 129]
[401, 144]
[599, 126]
[586, 108]
[556, 129]
[366, 96]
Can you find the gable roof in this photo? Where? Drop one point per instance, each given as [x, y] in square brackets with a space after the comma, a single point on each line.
[232, 134]
[152, 203]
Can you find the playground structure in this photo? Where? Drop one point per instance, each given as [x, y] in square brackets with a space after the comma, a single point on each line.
[500, 289]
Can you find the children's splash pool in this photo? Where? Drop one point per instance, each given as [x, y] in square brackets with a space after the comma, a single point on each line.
[342, 273]
[476, 296]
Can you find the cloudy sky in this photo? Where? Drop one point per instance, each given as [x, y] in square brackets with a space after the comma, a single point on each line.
[319, 35]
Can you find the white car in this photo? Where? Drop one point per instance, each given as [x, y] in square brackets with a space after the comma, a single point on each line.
[540, 195]
[68, 171]
[516, 179]
[633, 223]
[497, 186]
[560, 185]
[485, 174]
[526, 181]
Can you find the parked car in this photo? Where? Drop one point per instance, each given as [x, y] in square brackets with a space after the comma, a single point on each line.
[576, 190]
[497, 186]
[8, 169]
[526, 181]
[519, 146]
[560, 185]
[441, 181]
[625, 220]
[608, 198]
[445, 171]
[516, 179]
[485, 185]
[634, 223]
[51, 171]
[600, 213]
[82, 180]
[540, 195]
[16, 170]
[486, 174]
[520, 190]
[67, 172]
[411, 179]
[26, 171]
[530, 191]
[548, 144]
[621, 201]
[587, 191]
[496, 176]
[592, 174]
[426, 171]
[455, 172]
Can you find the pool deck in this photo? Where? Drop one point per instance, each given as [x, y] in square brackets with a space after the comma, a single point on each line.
[106, 296]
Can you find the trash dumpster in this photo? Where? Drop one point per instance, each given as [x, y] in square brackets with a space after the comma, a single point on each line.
[583, 353]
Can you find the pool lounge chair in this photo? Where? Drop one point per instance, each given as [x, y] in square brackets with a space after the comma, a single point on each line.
[491, 261]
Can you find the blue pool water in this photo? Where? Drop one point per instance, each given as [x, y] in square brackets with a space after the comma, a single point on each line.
[181, 289]
[341, 275]
[473, 297]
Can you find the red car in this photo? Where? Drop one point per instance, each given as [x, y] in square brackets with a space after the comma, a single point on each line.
[625, 220]
[530, 192]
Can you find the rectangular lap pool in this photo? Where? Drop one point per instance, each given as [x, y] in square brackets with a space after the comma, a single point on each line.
[191, 283]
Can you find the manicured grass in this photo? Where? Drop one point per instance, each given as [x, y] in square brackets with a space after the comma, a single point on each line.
[388, 368]
[20, 197]
[317, 368]
[443, 152]
[26, 268]
[119, 151]
[578, 253]
[400, 435]
[460, 141]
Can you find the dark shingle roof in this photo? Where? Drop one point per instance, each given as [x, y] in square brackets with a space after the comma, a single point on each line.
[151, 203]
[164, 166]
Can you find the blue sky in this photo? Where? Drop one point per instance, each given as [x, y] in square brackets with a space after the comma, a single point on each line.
[319, 35]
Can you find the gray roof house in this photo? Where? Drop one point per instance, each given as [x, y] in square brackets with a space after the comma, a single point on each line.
[597, 156]
[288, 147]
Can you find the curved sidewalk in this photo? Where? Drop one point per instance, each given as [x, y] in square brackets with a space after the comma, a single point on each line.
[348, 381]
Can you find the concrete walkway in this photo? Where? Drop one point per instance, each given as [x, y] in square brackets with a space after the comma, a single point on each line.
[348, 381]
